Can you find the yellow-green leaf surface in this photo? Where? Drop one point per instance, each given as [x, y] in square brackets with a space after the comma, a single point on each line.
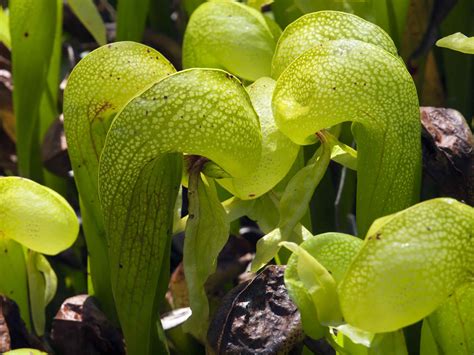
[341, 153]
[88, 14]
[297, 195]
[428, 344]
[350, 80]
[409, 265]
[257, 4]
[97, 89]
[268, 245]
[206, 234]
[32, 39]
[14, 283]
[35, 216]
[5, 28]
[199, 111]
[25, 352]
[335, 252]
[229, 36]
[319, 285]
[457, 42]
[319, 27]
[452, 324]
[42, 285]
[278, 151]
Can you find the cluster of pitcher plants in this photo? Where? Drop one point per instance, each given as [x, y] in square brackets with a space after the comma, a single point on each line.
[236, 122]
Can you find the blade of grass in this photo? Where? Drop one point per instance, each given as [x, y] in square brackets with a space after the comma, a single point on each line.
[48, 110]
[131, 19]
[88, 14]
[32, 39]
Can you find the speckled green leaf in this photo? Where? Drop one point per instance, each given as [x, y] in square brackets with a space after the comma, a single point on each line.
[278, 151]
[97, 89]
[32, 39]
[229, 36]
[355, 81]
[409, 265]
[88, 14]
[35, 216]
[206, 234]
[319, 27]
[457, 42]
[190, 112]
[452, 324]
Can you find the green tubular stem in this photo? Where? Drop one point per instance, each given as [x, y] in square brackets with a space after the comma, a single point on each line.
[97, 89]
[356, 81]
[199, 111]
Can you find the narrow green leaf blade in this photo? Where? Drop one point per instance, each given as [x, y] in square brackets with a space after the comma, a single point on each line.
[48, 109]
[300, 189]
[32, 39]
[131, 19]
[42, 285]
[428, 344]
[206, 234]
[5, 28]
[88, 14]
